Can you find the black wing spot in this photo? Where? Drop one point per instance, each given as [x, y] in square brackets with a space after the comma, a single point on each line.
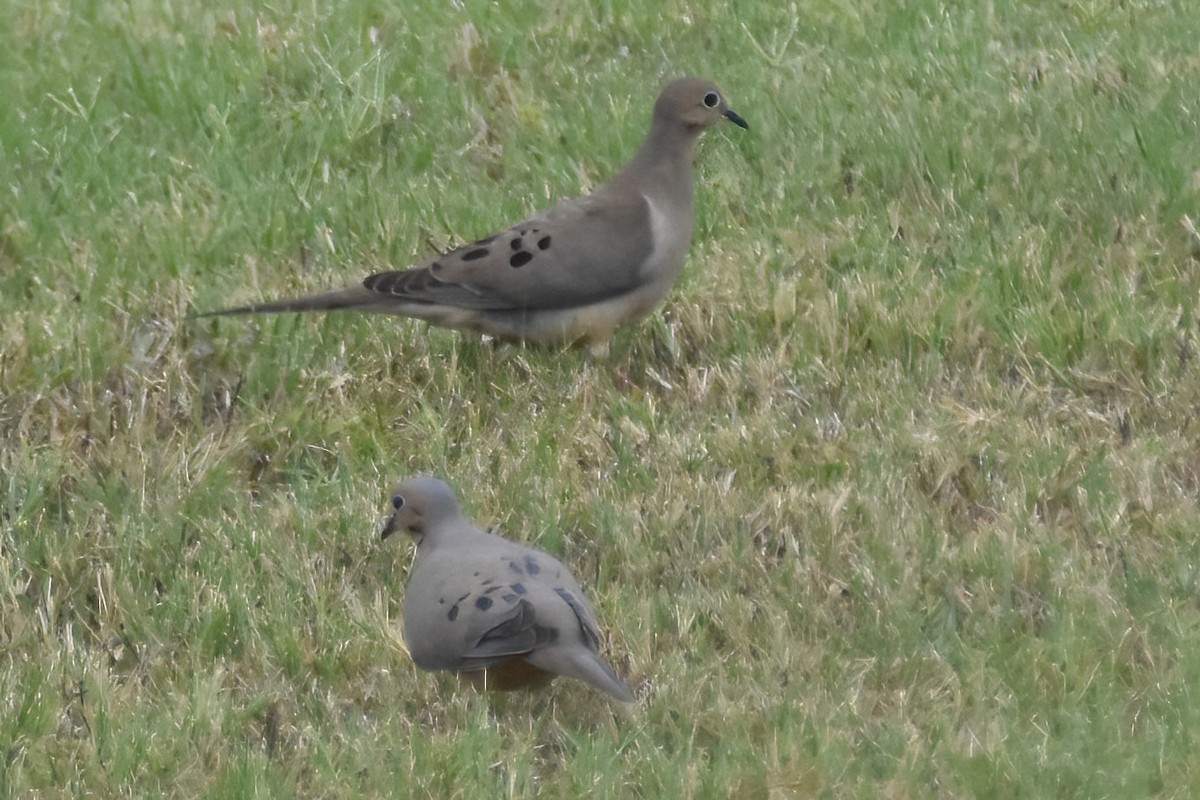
[531, 566]
[453, 614]
[515, 567]
[516, 243]
[483, 603]
[509, 598]
[475, 255]
[544, 243]
[485, 240]
[517, 587]
[491, 589]
[520, 259]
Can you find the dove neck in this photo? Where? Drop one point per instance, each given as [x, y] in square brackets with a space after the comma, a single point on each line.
[431, 534]
[662, 166]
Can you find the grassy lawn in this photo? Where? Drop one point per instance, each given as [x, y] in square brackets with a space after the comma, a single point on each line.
[897, 496]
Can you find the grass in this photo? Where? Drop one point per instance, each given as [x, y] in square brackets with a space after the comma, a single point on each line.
[896, 496]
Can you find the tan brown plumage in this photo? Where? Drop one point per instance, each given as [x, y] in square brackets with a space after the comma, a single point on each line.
[495, 612]
[573, 273]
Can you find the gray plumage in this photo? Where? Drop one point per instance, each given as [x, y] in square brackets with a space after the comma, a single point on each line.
[480, 605]
[572, 273]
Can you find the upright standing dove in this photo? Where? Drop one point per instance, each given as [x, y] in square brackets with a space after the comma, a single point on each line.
[570, 274]
[487, 608]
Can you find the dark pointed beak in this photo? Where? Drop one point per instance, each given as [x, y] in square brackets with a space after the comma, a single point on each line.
[389, 527]
[733, 117]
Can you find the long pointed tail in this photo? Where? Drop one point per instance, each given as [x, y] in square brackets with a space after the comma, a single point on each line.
[585, 666]
[604, 678]
[356, 297]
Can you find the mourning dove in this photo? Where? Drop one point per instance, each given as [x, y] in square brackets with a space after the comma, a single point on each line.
[500, 613]
[570, 274]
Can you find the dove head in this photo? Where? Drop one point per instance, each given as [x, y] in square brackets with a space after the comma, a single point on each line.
[695, 102]
[419, 504]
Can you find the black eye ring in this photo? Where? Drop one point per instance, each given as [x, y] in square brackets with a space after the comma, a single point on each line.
[712, 99]
[397, 502]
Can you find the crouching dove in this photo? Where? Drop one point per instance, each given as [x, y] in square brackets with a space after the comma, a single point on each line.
[573, 273]
[493, 611]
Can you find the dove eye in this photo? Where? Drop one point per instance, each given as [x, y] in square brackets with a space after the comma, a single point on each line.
[711, 99]
[397, 502]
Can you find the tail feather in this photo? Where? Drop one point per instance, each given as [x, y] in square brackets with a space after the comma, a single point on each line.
[356, 297]
[583, 665]
[607, 680]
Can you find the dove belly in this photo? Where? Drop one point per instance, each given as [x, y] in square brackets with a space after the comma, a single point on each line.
[581, 325]
[508, 676]
[588, 324]
[554, 326]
